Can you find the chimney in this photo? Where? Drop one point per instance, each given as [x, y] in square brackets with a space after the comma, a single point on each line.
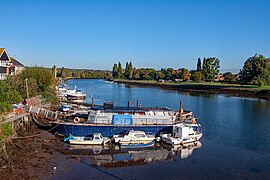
[181, 108]
[92, 104]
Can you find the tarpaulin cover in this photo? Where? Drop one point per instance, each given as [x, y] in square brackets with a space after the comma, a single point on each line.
[122, 119]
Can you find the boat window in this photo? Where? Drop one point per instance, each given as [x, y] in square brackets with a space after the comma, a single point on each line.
[97, 138]
[139, 135]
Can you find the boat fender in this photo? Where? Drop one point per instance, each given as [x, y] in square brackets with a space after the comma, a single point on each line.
[76, 120]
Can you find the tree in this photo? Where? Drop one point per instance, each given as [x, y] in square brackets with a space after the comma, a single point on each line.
[115, 71]
[256, 69]
[128, 71]
[229, 77]
[196, 76]
[185, 74]
[199, 65]
[120, 71]
[210, 68]
[159, 75]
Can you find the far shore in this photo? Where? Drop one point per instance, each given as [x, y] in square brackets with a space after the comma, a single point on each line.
[215, 88]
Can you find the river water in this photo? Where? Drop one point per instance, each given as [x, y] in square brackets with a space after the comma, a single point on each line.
[235, 142]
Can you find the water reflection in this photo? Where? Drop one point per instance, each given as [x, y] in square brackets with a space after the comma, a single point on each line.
[113, 156]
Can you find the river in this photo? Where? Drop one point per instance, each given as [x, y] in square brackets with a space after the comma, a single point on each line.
[235, 142]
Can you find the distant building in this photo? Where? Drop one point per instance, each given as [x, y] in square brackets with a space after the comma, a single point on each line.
[8, 65]
[219, 77]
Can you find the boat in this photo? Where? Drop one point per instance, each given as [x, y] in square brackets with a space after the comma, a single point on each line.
[94, 139]
[110, 120]
[75, 94]
[182, 133]
[133, 138]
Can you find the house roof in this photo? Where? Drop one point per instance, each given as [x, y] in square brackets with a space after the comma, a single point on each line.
[4, 55]
[16, 62]
[1, 51]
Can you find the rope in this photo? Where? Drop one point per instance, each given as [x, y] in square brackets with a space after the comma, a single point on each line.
[35, 134]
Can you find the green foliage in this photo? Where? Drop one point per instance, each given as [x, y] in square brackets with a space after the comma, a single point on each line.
[42, 76]
[256, 69]
[128, 71]
[210, 68]
[7, 130]
[229, 77]
[115, 71]
[5, 107]
[196, 76]
[120, 71]
[199, 65]
[184, 74]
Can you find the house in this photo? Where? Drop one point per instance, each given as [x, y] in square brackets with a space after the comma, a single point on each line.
[8, 65]
[219, 77]
[5, 63]
[16, 67]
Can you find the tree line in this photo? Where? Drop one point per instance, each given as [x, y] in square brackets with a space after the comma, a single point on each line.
[66, 73]
[40, 81]
[256, 70]
[205, 71]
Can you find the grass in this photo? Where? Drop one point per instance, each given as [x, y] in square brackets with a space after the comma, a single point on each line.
[6, 130]
[200, 83]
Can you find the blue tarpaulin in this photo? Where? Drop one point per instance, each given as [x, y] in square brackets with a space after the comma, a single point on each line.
[122, 119]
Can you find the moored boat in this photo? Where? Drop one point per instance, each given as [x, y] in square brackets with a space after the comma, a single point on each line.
[110, 120]
[94, 139]
[182, 133]
[133, 137]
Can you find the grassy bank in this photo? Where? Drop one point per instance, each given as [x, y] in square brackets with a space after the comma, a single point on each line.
[253, 91]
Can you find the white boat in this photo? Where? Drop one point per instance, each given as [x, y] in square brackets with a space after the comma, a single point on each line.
[182, 133]
[133, 137]
[94, 139]
[75, 94]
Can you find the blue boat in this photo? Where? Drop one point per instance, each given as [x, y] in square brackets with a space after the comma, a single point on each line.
[109, 120]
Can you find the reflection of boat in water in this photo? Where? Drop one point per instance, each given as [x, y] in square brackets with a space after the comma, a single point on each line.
[137, 145]
[183, 151]
[113, 156]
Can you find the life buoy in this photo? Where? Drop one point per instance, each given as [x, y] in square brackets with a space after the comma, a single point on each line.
[76, 120]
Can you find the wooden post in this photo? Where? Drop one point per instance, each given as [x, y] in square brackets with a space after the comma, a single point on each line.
[137, 103]
[92, 104]
[129, 103]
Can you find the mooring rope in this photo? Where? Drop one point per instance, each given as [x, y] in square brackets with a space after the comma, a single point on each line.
[35, 135]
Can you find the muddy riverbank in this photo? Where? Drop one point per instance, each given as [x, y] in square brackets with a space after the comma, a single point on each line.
[215, 89]
[30, 155]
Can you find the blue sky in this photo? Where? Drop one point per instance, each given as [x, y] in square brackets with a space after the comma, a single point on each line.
[150, 33]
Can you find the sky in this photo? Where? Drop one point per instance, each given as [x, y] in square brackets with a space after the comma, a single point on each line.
[95, 34]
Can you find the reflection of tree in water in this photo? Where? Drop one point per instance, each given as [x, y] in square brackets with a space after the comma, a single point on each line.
[113, 156]
[201, 94]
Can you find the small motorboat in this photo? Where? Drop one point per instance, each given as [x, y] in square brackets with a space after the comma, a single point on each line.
[133, 137]
[94, 139]
[182, 133]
